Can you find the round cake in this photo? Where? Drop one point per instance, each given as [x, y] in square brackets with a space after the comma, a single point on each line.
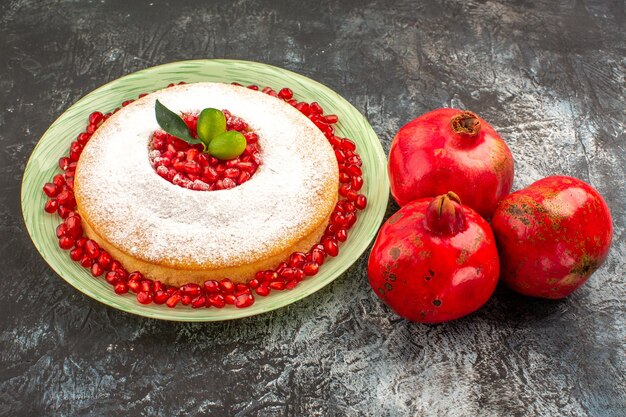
[179, 235]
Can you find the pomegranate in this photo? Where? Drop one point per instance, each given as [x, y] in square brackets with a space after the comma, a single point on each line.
[449, 149]
[434, 260]
[552, 236]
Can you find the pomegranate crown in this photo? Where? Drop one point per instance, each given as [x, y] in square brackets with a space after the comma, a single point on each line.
[445, 215]
[465, 123]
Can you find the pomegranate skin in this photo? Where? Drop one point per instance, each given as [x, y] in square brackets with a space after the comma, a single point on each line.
[429, 158]
[432, 277]
[552, 236]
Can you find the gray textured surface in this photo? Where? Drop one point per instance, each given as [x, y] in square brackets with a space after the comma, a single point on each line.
[549, 76]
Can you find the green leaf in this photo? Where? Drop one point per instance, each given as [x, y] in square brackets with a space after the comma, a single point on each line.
[173, 123]
[211, 123]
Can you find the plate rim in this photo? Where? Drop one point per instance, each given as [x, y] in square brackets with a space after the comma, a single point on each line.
[234, 314]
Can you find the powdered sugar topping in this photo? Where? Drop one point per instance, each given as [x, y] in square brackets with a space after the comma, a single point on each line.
[148, 217]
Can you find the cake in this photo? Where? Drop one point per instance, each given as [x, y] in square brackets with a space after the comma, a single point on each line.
[179, 235]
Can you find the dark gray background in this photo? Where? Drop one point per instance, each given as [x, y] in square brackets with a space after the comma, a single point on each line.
[549, 75]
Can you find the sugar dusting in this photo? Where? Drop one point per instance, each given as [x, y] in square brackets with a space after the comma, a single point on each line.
[148, 217]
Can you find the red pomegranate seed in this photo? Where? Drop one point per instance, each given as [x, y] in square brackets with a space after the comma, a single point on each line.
[244, 300]
[341, 235]
[254, 284]
[111, 277]
[285, 93]
[76, 254]
[134, 285]
[66, 242]
[173, 300]
[230, 298]
[350, 219]
[290, 285]
[344, 177]
[349, 207]
[297, 259]
[330, 246]
[211, 286]
[80, 243]
[331, 119]
[120, 288]
[344, 189]
[318, 256]
[86, 262]
[96, 269]
[160, 297]
[51, 189]
[360, 202]
[288, 273]
[92, 249]
[61, 230]
[95, 118]
[144, 297]
[104, 259]
[277, 285]
[351, 195]
[227, 286]
[64, 162]
[263, 291]
[51, 206]
[199, 301]
[217, 300]
[310, 268]
[231, 173]
[316, 108]
[253, 87]
[74, 227]
[353, 170]
[356, 183]
[145, 285]
[192, 290]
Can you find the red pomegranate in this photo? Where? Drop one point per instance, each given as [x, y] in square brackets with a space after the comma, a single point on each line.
[434, 260]
[552, 236]
[450, 149]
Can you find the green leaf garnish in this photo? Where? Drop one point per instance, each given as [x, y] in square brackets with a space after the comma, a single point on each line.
[173, 123]
[211, 123]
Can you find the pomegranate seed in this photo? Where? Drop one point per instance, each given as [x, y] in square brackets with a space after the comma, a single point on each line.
[61, 230]
[120, 288]
[254, 284]
[231, 173]
[198, 302]
[316, 108]
[297, 259]
[360, 202]
[192, 290]
[66, 242]
[211, 286]
[341, 235]
[76, 254]
[331, 119]
[227, 286]
[310, 268]
[350, 219]
[244, 300]
[318, 256]
[74, 227]
[104, 259]
[230, 299]
[86, 262]
[145, 285]
[263, 291]
[351, 195]
[277, 285]
[160, 297]
[96, 269]
[330, 246]
[217, 300]
[95, 118]
[51, 206]
[357, 183]
[64, 163]
[111, 277]
[173, 300]
[80, 243]
[285, 93]
[92, 249]
[144, 297]
[290, 285]
[51, 189]
[253, 87]
[344, 189]
[344, 177]
[134, 285]
[288, 273]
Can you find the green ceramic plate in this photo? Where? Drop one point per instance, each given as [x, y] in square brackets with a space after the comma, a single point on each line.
[42, 166]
